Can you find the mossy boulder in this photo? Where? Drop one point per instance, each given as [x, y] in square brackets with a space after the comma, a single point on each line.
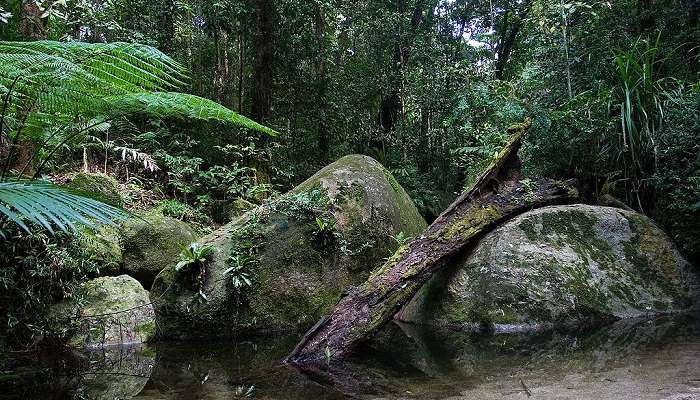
[102, 244]
[152, 241]
[108, 311]
[282, 265]
[560, 265]
[98, 186]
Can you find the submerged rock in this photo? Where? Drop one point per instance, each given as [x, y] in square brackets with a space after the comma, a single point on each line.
[151, 242]
[560, 265]
[284, 264]
[108, 311]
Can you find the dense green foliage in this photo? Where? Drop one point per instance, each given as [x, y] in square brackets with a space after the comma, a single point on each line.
[426, 87]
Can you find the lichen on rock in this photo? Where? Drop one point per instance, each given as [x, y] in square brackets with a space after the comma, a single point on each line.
[300, 251]
[560, 265]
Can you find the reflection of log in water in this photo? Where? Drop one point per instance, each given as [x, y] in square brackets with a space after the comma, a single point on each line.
[453, 361]
[341, 377]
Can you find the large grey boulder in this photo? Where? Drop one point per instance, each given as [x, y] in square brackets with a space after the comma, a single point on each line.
[282, 265]
[560, 265]
[107, 311]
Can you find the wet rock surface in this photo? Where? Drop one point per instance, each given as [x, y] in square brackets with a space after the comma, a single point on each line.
[560, 265]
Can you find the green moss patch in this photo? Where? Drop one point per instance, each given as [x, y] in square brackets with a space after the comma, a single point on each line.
[97, 186]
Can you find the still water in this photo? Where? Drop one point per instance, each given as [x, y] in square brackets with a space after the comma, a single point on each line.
[640, 359]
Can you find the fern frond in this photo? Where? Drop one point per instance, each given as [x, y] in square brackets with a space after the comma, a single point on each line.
[181, 105]
[50, 206]
[66, 80]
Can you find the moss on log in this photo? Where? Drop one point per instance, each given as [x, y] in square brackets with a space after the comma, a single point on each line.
[496, 196]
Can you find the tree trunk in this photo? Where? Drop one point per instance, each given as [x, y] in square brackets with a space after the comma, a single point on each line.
[241, 61]
[167, 26]
[323, 139]
[509, 34]
[31, 26]
[393, 104]
[221, 73]
[262, 64]
[498, 195]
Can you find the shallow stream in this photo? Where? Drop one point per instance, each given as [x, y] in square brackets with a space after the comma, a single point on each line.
[640, 359]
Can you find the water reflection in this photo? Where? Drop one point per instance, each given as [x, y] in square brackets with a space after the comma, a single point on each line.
[112, 373]
[644, 359]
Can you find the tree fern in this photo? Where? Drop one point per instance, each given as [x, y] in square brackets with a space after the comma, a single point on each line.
[86, 79]
[182, 105]
[53, 92]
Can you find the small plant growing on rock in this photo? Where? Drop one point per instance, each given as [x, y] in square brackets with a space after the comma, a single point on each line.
[328, 354]
[244, 253]
[237, 272]
[194, 258]
[324, 232]
[529, 186]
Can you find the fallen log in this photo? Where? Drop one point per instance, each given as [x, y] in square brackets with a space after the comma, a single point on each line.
[497, 195]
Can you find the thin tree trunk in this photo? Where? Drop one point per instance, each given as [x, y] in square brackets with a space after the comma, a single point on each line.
[167, 26]
[221, 75]
[498, 195]
[565, 20]
[262, 64]
[323, 139]
[393, 103]
[31, 26]
[241, 60]
[508, 37]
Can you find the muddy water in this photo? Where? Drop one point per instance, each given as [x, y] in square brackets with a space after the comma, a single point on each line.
[642, 359]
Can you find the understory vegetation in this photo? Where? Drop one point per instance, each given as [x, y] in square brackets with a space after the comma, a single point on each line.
[203, 110]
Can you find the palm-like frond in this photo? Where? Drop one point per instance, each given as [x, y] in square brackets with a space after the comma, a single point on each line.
[49, 206]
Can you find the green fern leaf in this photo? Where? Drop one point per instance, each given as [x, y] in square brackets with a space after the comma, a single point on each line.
[49, 206]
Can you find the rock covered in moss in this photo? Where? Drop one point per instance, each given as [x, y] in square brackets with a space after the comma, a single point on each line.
[103, 246]
[238, 207]
[284, 264]
[560, 265]
[152, 241]
[108, 311]
[99, 186]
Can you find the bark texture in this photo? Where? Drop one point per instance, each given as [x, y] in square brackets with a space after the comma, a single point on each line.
[262, 63]
[496, 196]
